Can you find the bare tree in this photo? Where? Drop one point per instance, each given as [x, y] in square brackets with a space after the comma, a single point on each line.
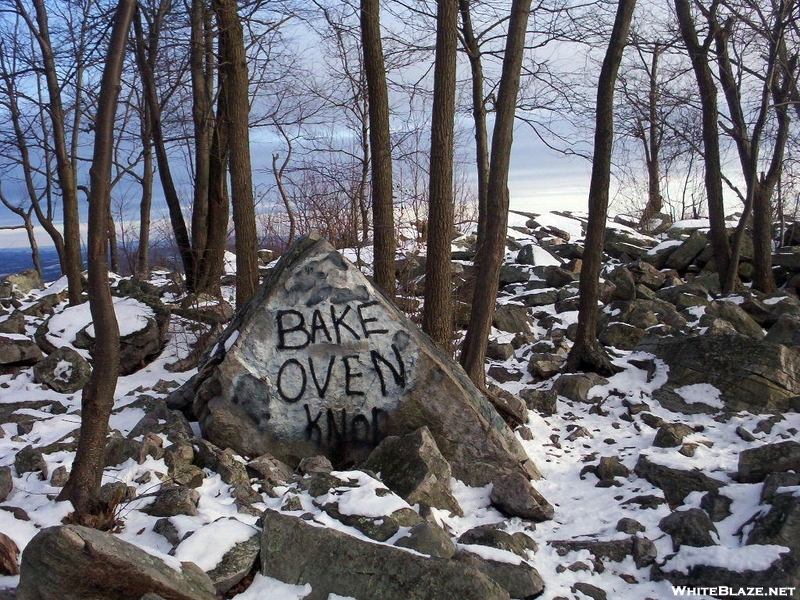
[380, 142]
[586, 353]
[437, 316]
[492, 248]
[97, 399]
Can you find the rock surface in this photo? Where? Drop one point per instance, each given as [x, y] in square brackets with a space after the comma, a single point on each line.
[319, 362]
[77, 563]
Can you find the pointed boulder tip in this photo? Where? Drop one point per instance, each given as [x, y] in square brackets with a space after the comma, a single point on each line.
[320, 362]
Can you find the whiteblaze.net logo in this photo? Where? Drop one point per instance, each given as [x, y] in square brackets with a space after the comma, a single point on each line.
[732, 592]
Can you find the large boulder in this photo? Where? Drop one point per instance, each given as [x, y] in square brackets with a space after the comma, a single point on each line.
[75, 563]
[756, 463]
[751, 375]
[675, 483]
[294, 551]
[320, 362]
[25, 281]
[18, 350]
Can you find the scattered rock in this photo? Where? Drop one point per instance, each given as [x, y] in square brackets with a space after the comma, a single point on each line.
[26, 281]
[514, 496]
[29, 460]
[587, 589]
[296, 552]
[75, 563]
[64, 371]
[716, 505]
[235, 564]
[171, 501]
[670, 435]
[690, 528]
[488, 535]
[545, 402]
[18, 350]
[576, 386]
[621, 335]
[6, 483]
[520, 580]
[676, 483]
[756, 463]
[413, 468]
[428, 538]
[9, 565]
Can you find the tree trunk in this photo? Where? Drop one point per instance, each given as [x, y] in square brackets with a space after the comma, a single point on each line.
[478, 113]
[143, 254]
[37, 262]
[113, 249]
[713, 170]
[381, 145]
[586, 353]
[234, 67]
[144, 63]
[203, 118]
[437, 315]
[653, 145]
[210, 270]
[73, 263]
[492, 249]
[97, 400]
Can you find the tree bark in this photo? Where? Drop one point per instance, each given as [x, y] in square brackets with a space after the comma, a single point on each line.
[437, 315]
[586, 353]
[97, 400]
[713, 171]
[234, 68]
[144, 63]
[478, 114]
[492, 249]
[143, 253]
[380, 142]
[653, 145]
[73, 263]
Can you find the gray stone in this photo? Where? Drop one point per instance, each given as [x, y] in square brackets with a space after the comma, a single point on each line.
[576, 386]
[751, 375]
[625, 285]
[379, 529]
[756, 463]
[428, 538]
[589, 590]
[676, 483]
[514, 274]
[488, 535]
[14, 323]
[25, 281]
[512, 318]
[716, 505]
[538, 297]
[6, 483]
[208, 456]
[545, 402]
[76, 563]
[544, 366]
[689, 528]
[643, 273]
[685, 254]
[497, 351]
[611, 550]
[268, 468]
[205, 308]
[514, 496]
[171, 501]
[165, 422]
[315, 464]
[621, 335]
[781, 573]
[557, 277]
[296, 552]
[670, 435]
[780, 525]
[609, 468]
[29, 460]
[235, 564]
[787, 257]
[741, 321]
[786, 331]
[629, 526]
[413, 467]
[520, 580]
[320, 362]
[18, 351]
[64, 371]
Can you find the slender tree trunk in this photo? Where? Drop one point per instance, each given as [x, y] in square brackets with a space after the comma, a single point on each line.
[381, 145]
[237, 84]
[203, 118]
[653, 145]
[478, 113]
[713, 170]
[37, 261]
[437, 315]
[586, 353]
[113, 249]
[97, 400]
[277, 171]
[165, 173]
[490, 252]
[143, 254]
[73, 263]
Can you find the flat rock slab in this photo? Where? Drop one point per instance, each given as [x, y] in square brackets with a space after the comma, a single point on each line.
[320, 362]
[752, 375]
[297, 552]
[76, 563]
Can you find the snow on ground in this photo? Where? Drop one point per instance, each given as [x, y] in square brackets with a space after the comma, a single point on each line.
[582, 511]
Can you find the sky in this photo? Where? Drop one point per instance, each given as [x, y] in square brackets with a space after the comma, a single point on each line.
[540, 180]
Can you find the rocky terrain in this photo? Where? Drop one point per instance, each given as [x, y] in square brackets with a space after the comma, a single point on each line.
[681, 470]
